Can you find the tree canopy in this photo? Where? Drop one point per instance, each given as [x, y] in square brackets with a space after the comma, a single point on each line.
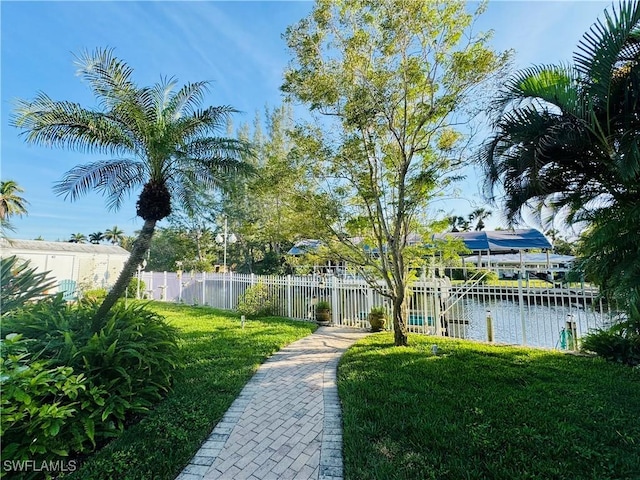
[566, 144]
[390, 80]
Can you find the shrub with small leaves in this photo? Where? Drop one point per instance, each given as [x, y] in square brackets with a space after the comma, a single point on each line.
[256, 301]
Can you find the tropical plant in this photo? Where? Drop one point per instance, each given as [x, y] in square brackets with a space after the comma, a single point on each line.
[44, 408]
[160, 138]
[618, 343]
[323, 312]
[70, 387]
[11, 203]
[114, 235]
[479, 215]
[20, 284]
[78, 238]
[96, 237]
[377, 318]
[566, 143]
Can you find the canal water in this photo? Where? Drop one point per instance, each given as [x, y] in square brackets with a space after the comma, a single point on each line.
[548, 326]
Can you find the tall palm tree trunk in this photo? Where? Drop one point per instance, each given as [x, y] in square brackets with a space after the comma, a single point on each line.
[140, 247]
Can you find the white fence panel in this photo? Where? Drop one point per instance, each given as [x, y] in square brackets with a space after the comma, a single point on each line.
[532, 308]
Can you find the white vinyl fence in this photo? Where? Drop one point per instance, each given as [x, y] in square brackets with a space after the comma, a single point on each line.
[529, 308]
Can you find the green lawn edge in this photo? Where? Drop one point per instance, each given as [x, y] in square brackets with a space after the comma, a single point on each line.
[478, 411]
[219, 357]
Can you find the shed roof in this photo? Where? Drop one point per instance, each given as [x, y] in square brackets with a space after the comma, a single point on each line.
[68, 247]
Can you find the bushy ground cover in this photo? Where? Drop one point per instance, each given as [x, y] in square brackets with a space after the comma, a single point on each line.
[218, 357]
[476, 411]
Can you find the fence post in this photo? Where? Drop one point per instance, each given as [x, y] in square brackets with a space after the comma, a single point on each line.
[334, 299]
[490, 332]
[289, 294]
[204, 281]
[163, 295]
[230, 291]
[521, 302]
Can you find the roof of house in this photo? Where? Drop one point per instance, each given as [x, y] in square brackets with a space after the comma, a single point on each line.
[12, 245]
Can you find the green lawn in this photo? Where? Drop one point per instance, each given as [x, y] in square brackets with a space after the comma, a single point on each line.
[475, 411]
[219, 357]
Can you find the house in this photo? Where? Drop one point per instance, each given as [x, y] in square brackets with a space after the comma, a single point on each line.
[75, 266]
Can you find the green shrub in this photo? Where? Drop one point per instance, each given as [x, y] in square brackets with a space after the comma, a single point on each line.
[619, 343]
[481, 276]
[125, 363]
[47, 411]
[132, 288]
[323, 305]
[256, 301]
[95, 294]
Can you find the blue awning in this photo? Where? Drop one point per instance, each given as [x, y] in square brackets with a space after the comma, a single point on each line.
[502, 240]
[304, 246]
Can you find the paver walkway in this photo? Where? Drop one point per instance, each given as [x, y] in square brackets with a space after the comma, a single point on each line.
[286, 423]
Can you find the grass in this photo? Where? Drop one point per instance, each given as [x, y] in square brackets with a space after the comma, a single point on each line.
[476, 411]
[219, 357]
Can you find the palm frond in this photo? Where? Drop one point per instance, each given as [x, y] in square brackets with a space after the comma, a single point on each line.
[212, 120]
[548, 87]
[605, 45]
[114, 178]
[108, 76]
[186, 100]
[217, 148]
[69, 125]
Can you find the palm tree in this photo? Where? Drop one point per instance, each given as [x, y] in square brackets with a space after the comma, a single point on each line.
[113, 235]
[158, 137]
[96, 237]
[11, 203]
[567, 141]
[78, 238]
[453, 221]
[479, 215]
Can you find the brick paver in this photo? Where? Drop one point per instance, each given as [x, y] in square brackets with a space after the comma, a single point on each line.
[286, 423]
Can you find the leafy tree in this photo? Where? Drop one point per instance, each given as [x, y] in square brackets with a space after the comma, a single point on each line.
[114, 235]
[168, 246]
[158, 137]
[96, 237]
[78, 238]
[566, 142]
[390, 80]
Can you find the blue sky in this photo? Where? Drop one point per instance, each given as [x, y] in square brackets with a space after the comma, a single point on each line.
[237, 46]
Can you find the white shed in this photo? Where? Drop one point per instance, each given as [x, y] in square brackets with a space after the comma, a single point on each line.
[75, 266]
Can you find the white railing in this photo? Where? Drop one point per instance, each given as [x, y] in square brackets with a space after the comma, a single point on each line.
[531, 309]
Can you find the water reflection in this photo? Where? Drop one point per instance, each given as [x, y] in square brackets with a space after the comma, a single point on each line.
[533, 325]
